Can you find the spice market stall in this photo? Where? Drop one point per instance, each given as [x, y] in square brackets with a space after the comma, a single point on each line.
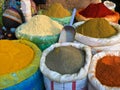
[37, 61]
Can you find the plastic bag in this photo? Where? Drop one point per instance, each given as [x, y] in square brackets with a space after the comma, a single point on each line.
[41, 42]
[95, 42]
[94, 83]
[34, 82]
[66, 80]
[18, 76]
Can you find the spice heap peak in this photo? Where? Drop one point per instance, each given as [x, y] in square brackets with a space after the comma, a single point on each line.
[56, 10]
[40, 25]
[97, 28]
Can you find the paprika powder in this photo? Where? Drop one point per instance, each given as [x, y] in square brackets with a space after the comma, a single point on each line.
[108, 71]
[96, 10]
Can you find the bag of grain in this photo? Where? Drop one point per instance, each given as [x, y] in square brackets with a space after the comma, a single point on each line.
[41, 30]
[97, 32]
[65, 66]
[19, 62]
[104, 71]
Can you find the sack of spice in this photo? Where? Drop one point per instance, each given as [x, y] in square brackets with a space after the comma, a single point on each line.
[41, 30]
[97, 32]
[104, 71]
[58, 13]
[98, 10]
[19, 62]
[68, 70]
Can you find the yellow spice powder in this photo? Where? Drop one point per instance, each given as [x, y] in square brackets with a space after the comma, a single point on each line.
[57, 10]
[14, 56]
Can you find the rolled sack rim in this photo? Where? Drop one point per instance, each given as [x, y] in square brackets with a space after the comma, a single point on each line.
[93, 42]
[91, 73]
[13, 78]
[57, 77]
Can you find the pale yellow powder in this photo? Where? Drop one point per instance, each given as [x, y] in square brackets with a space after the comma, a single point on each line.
[41, 25]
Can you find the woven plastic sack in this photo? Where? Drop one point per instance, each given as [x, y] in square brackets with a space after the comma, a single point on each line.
[35, 82]
[111, 18]
[42, 42]
[95, 42]
[75, 85]
[14, 78]
[94, 82]
[78, 79]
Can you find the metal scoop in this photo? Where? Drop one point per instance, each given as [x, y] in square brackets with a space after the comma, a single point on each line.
[68, 32]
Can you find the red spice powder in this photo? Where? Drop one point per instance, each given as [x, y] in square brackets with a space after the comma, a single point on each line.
[108, 71]
[96, 11]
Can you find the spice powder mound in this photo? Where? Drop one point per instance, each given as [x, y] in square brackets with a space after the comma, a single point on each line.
[96, 11]
[14, 56]
[56, 10]
[65, 60]
[108, 71]
[97, 28]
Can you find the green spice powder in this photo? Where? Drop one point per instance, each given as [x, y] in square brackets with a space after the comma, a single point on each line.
[97, 28]
[65, 60]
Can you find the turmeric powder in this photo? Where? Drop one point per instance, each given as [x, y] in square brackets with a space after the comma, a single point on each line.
[56, 10]
[97, 28]
[14, 56]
